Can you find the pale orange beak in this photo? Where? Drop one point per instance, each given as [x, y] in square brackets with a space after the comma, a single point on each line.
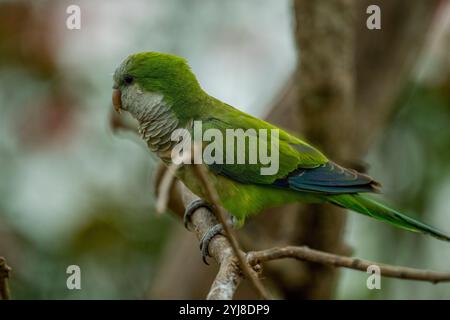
[117, 100]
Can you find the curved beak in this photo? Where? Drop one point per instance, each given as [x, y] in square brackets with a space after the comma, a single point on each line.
[116, 100]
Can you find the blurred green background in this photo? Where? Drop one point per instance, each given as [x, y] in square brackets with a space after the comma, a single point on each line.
[74, 192]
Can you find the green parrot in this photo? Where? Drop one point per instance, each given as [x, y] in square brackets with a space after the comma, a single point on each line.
[163, 94]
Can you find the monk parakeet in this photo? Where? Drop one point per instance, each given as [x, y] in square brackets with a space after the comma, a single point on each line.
[163, 94]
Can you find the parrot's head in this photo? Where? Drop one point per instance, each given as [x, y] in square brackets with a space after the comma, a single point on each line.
[144, 81]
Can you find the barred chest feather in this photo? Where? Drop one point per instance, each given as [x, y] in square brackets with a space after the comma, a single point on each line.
[156, 120]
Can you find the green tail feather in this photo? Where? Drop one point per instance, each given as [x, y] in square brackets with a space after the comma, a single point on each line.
[381, 212]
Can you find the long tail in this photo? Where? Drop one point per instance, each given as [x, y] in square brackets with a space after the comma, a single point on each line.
[371, 208]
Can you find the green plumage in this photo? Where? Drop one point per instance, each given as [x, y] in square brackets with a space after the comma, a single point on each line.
[304, 173]
[222, 116]
[371, 208]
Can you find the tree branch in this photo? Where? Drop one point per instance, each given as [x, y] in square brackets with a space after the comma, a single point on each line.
[229, 276]
[306, 254]
[200, 172]
[5, 271]
[220, 214]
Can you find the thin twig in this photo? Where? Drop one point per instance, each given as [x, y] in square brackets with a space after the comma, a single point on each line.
[5, 271]
[165, 185]
[220, 213]
[311, 255]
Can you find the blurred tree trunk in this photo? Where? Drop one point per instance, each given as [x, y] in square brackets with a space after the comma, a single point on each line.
[341, 96]
[326, 92]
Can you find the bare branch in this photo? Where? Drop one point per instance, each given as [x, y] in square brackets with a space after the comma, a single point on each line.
[220, 213]
[316, 256]
[226, 282]
[229, 275]
[5, 271]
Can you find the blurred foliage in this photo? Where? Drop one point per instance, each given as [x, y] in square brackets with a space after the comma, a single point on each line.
[412, 160]
[114, 247]
[414, 151]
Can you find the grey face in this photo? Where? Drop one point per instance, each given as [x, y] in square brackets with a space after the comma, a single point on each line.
[127, 95]
[156, 120]
[121, 81]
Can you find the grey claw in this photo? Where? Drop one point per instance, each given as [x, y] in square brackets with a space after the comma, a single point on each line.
[190, 209]
[206, 239]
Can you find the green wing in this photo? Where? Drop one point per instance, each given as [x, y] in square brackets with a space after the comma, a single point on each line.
[293, 152]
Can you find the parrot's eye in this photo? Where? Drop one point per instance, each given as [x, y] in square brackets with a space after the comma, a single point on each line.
[128, 79]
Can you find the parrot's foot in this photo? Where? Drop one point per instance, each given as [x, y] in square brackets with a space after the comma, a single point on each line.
[206, 239]
[190, 209]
